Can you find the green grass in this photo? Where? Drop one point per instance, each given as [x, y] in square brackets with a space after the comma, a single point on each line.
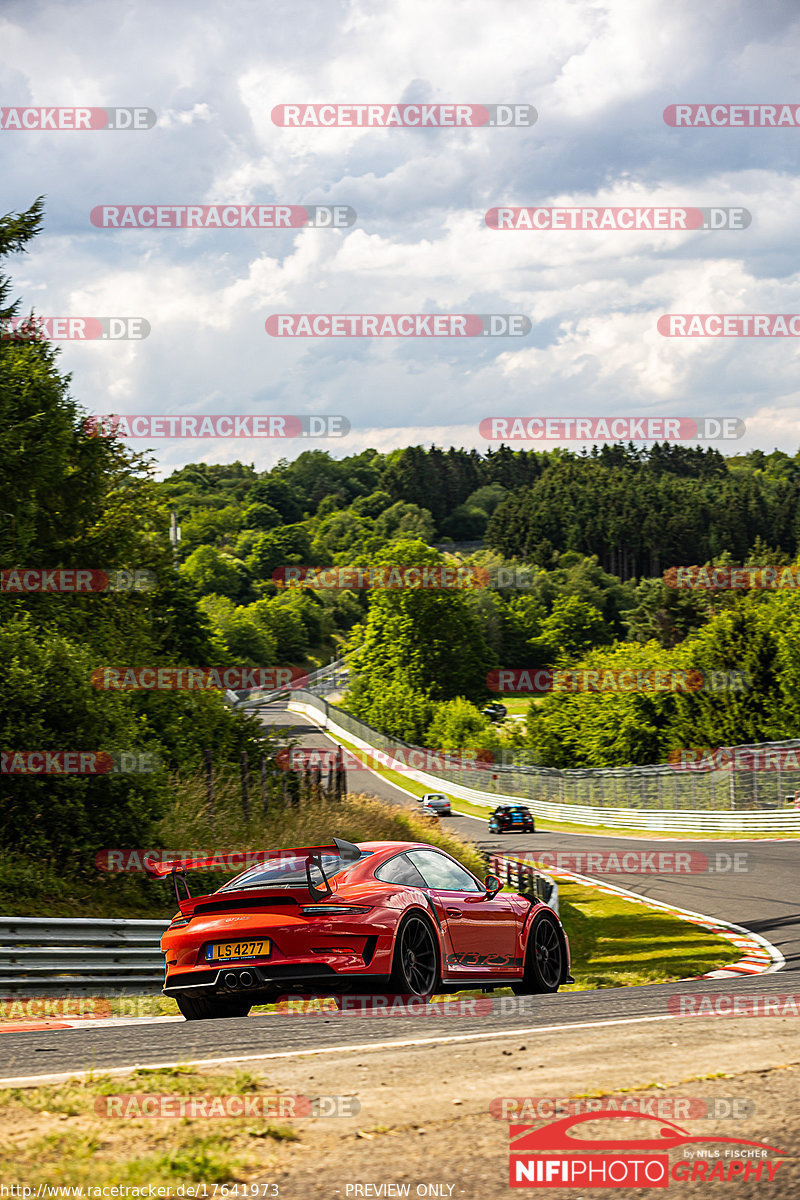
[616, 943]
[53, 1134]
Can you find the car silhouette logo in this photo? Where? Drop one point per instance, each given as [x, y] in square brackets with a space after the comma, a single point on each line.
[557, 1136]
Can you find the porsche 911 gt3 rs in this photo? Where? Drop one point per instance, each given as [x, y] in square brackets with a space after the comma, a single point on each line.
[401, 917]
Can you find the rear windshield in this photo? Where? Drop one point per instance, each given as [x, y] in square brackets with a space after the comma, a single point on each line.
[286, 869]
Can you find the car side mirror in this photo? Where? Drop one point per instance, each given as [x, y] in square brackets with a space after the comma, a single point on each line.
[493, 885]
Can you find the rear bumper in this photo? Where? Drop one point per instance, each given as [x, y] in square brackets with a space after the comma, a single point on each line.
[266, 981]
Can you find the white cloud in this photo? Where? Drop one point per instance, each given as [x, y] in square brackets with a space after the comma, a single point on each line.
[599, 72]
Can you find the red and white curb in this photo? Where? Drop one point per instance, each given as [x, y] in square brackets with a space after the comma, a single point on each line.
[759, 956]
[48, 1023]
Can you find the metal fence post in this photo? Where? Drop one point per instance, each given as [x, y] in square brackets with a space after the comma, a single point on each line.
[341, 776]
[244, 767]
[209, 765]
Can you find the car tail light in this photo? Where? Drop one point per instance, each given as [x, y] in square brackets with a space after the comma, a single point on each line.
[178, 921]
[312, 909]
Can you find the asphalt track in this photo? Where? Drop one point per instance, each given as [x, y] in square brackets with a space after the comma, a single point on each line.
[763, 898]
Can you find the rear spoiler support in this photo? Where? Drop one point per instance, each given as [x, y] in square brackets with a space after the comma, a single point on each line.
[178, 872]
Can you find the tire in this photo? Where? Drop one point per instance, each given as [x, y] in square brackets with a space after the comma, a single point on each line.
[208, 1008]
[415, 967]
[544, 957]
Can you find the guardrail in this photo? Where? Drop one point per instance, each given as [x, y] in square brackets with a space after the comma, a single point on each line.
[659, 798]
[43, 955]
[324, 679]
[524, 878]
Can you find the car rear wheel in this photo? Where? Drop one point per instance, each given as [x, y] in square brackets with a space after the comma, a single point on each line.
[544, 957]
[415, 970]
[207, 1008]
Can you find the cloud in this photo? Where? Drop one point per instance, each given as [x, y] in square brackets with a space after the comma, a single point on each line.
[599, 72]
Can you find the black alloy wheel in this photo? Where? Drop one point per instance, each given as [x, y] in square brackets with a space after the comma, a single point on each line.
[544, 957]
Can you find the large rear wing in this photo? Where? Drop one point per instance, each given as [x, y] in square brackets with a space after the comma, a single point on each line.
[177, 868]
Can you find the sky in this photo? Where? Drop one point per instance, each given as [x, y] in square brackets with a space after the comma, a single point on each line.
[599, 74]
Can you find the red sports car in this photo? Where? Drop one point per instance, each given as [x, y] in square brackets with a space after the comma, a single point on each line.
[399, 917]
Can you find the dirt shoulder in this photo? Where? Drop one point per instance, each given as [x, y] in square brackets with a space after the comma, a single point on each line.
[425, 1120]
[432, 1119]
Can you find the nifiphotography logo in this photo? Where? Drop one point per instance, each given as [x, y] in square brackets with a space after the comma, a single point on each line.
[551, 1156]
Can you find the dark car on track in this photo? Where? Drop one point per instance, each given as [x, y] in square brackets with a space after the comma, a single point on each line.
[511, 818]
[398, 917]
[495, 712]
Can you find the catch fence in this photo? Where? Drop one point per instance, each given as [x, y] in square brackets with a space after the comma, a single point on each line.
[707, 787]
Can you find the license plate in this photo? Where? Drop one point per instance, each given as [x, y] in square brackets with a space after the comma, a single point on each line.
[224, 951]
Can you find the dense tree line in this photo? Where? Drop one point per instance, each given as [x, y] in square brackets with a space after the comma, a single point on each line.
[596, 532]
[642, 511]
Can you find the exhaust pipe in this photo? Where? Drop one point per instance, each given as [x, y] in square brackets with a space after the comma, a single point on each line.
[246, 978]
[230, 980]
